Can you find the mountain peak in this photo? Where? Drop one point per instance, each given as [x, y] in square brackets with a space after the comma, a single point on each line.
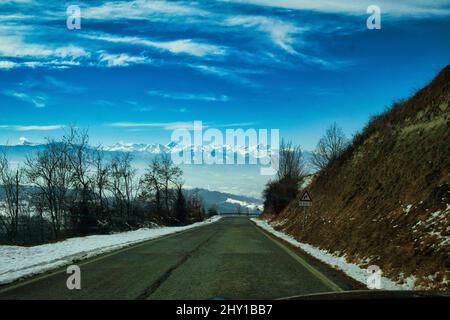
[25, 142]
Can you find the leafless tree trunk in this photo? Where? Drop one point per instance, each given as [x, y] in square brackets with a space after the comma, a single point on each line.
[122, 185]
[292, 167]
[329, 147]
[161, 179]
[11, 182]
[80, 160]
[170, 175]
[101, 181]
[50, 172]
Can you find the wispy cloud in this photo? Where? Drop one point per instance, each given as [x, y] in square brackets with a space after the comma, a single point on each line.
[188, 96]
[236, 75]
[142, 9]
[189, 125]
[5, 64]
[37, 100]
[17, 47]
[32, 128]
[142, 109]
[162, 125]
[62, 86]
[237, 125]
[122, 60]
[411, 8]
[185, 46]
[280, 32]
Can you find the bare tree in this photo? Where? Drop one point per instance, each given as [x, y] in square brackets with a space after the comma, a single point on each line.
[329, 147]
[291, 173]
[213, 210]
[11, 182]
[181, 213]
[100, 181]
[170, 175]
[50, 172]
[196, 207]
[80, 160]
[123, 186]
[152, 185]
[291, 165]
[238, 209]
[161, 181]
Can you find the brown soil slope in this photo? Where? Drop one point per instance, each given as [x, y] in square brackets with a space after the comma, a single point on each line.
[386, 200]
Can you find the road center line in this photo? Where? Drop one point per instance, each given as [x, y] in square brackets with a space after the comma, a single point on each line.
[156, 284]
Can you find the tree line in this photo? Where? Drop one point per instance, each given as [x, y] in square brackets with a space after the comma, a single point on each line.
[73, 189]
[281, 190]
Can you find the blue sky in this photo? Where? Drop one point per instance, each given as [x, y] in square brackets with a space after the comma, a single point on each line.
[138, 69]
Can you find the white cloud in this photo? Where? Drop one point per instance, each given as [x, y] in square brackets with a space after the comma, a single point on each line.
[280, 32]
[141, 9]
[38, 55]
[188, 96]
[39, 128]
[18, 1]
[38, 100]
[121, 60]
[189, 125]
[71, 51]
[15, 46]
[23, 140]
[32, 128]
[190, 47]
[232, 74]
[5, 64]
[186, 46]
[164, 125]
[60, 85]
[410, 8]
[13, 17]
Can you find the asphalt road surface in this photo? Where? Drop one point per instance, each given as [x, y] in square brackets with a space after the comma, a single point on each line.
[229, 259]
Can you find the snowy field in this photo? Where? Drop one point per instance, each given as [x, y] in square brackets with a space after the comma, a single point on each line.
[351, 269]
[19, 262]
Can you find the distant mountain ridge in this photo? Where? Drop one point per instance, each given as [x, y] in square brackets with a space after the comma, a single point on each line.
[224, 202]
[233, 178]
[228, 203]
[158, 148]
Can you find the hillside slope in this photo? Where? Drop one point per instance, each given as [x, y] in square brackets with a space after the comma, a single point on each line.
[385, 201]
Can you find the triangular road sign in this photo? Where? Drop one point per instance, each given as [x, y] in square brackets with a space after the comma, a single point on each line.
[305, 196]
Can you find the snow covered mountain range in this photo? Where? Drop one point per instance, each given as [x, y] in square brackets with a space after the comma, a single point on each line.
[234, 179]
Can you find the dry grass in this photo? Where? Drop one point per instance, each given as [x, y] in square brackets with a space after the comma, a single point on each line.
[360, 200]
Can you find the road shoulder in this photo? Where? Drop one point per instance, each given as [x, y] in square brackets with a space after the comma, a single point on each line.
[335, 276]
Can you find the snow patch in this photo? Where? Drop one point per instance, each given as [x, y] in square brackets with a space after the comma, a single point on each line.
[407, 209]
[353, 270]
[19, 262]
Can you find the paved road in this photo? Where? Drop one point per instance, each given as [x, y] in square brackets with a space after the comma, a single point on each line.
[230, 259]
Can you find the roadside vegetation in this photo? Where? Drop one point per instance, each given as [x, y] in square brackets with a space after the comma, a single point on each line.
[384, 198]
[280, 191]
[72, 189]
[292, 173]
[330, 147]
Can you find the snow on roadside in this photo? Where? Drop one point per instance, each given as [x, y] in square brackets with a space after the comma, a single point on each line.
[351, 269]
[18, 262]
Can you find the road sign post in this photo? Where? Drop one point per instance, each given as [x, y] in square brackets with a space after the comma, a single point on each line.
[305, 202]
